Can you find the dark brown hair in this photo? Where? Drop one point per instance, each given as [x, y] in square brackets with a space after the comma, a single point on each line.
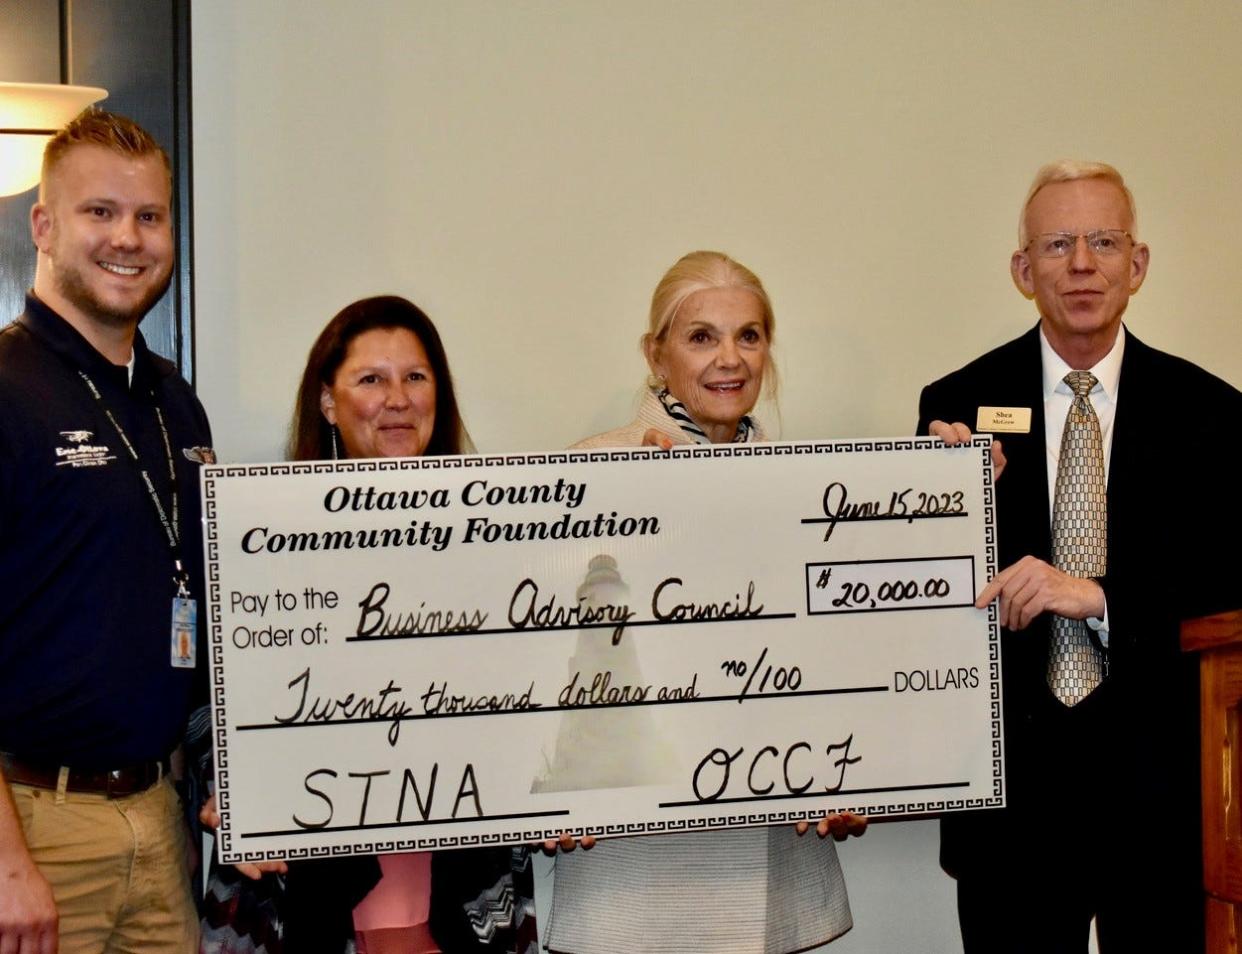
[310, 434]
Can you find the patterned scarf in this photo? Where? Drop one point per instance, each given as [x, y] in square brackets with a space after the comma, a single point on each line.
[677, 411]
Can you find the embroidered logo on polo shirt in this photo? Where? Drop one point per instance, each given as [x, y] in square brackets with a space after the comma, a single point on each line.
[199, 455]
[80, 453]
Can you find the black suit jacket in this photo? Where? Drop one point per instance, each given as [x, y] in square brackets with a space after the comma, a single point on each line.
[1171, 521]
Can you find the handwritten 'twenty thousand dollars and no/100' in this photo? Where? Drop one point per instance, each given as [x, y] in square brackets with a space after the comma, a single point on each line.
[582, 689]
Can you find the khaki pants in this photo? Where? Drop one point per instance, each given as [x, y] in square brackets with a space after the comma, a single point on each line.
[117, 867]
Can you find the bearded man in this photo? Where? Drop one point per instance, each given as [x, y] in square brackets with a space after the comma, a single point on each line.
[101, 558]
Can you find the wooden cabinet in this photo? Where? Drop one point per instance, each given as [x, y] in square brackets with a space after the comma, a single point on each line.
[1218, 640]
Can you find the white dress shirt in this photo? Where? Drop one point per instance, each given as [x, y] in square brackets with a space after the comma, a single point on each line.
[1057, 400]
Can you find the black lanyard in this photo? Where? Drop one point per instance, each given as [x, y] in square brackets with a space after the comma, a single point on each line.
[169, 519]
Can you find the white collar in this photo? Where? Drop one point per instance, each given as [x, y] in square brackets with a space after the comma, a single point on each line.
[1107, 370]
[129, 365]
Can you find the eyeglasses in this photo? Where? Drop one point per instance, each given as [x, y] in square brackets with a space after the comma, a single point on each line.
[1101, 242]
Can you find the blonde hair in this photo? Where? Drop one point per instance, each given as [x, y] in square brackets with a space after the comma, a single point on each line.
[1073, 170]
[703, 271]
[98, 127]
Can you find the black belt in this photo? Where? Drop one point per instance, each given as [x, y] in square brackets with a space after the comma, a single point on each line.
[114, 783]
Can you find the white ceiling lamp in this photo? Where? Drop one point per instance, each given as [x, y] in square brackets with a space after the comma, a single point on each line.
[30, 114]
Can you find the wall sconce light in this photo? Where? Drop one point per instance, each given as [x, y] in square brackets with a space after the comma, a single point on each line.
[30, 114]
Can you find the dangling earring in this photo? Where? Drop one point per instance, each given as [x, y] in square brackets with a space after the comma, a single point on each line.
[332, 431]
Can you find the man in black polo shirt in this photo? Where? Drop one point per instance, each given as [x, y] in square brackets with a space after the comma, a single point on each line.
[101, 563]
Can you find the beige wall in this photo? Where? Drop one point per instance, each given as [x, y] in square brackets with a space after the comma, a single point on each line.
[525, 171]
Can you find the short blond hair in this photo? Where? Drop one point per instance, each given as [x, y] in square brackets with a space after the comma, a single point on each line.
[98, 127]
[703, 271]
[1073, 170]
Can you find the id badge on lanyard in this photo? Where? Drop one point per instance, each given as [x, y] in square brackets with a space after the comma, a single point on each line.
[183, 632]
[184, 647]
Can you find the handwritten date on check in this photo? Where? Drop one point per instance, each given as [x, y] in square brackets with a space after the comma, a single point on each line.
[456, 651]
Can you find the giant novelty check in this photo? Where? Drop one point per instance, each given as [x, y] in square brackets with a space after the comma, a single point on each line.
[455, 651]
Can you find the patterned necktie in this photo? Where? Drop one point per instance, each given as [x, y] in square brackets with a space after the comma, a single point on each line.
[1079, 541]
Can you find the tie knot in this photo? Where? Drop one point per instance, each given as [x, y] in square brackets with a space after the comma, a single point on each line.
[1081, 382]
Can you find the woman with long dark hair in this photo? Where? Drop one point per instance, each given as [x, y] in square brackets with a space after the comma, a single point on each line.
[376, 384]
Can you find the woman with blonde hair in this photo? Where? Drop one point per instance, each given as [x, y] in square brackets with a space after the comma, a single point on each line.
[739, 891]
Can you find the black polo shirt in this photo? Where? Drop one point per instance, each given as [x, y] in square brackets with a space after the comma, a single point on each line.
[86, 572]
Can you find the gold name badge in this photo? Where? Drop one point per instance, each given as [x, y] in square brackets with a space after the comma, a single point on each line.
[1004, 420]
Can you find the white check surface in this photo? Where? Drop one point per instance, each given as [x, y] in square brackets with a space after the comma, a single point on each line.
[713, 637]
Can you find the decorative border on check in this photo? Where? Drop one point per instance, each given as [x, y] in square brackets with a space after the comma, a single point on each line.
[210, 474]
[556, 458]
[530, 836]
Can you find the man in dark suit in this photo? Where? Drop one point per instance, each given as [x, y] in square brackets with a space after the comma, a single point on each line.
[1113, 519]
